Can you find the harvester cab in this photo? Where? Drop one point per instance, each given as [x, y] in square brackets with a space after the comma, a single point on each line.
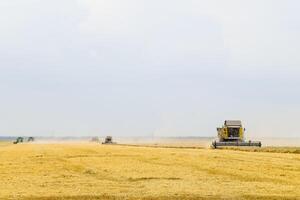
[232, 134]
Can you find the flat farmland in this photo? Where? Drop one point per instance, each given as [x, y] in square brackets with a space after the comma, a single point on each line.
[82, 170]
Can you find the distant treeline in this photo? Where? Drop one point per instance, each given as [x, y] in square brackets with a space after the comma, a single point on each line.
[7, 138]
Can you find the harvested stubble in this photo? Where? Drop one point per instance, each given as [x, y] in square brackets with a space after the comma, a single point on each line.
[93, 171]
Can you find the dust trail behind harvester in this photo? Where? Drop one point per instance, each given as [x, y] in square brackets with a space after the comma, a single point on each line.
[281, 142]
[180, 142]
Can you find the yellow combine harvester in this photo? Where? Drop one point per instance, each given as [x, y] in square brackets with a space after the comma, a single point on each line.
[232, 134]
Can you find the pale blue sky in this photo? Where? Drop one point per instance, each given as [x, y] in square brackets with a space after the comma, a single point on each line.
[137, 67]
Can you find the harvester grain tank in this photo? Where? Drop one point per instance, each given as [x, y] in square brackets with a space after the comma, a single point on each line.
[232, 134]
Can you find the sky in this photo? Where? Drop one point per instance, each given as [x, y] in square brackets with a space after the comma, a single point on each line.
[149, 68]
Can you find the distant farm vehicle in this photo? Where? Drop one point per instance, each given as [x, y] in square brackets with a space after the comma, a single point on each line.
[108, 140]
[19, 140]
[95, 139]
[232, 134]
[30, 139]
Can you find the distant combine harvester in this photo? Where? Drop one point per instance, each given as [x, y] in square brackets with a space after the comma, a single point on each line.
[95, 139]
[108, 140]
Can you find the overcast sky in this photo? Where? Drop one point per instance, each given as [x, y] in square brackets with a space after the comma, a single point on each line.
[138, 68]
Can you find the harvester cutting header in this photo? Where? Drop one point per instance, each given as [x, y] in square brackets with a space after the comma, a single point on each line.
[232, 134]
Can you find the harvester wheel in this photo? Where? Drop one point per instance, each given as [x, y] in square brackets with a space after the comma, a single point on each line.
[214, 144]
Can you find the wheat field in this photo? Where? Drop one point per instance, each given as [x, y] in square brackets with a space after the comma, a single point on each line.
[85, 170]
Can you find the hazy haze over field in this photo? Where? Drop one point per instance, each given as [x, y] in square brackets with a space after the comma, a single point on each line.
[137, 68]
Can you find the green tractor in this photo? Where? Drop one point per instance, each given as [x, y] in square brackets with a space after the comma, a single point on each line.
[19, 140]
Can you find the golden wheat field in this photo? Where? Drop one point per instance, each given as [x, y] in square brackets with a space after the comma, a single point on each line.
[94, 171]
